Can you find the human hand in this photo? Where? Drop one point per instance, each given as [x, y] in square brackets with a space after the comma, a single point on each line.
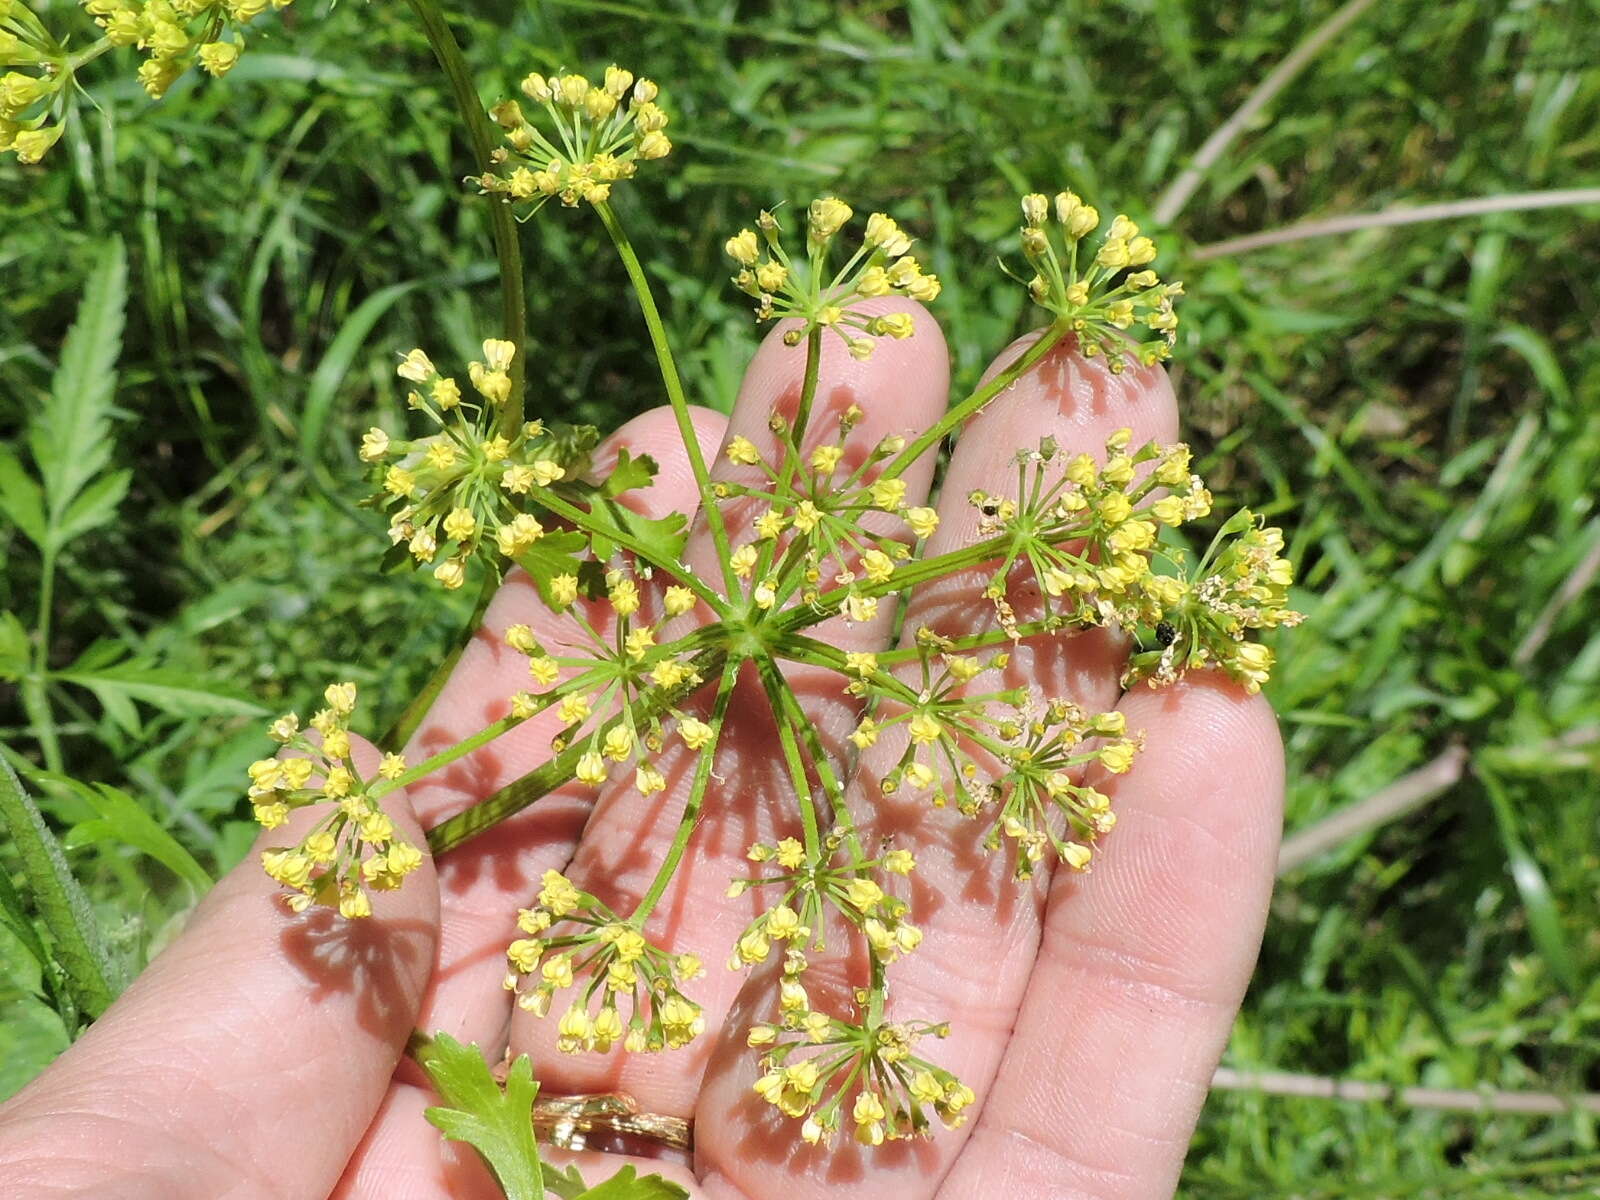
[257, 1056]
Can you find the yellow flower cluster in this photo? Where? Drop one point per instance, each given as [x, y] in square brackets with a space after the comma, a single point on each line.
[1094, 296]
[895, 1085]
[464, 490]
[999, 755]
[30, 97]
[1241, 583]
[178, 34]
[569, 935]
[1086, 533]
[597, 134]
[610, 672]
[354, 848]
[812, 894]
[872, 1067]
[812, 508]
[805, 290]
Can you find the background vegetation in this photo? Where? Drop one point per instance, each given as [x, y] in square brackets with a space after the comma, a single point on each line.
[1419, 405]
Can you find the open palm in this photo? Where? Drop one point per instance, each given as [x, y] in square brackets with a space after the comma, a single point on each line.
[258, 1055]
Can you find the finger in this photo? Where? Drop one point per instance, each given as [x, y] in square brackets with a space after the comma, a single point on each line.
[252, 1028]
[980, 925]
[1144, 961]
[900, 390]
[483, 883]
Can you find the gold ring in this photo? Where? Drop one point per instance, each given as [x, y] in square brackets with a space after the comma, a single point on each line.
[568, 1122]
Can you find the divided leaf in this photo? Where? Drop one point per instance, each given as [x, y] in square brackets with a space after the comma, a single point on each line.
[71, 436]
[497, 1123]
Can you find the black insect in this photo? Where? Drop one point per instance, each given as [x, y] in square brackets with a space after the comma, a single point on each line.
[1165, 634]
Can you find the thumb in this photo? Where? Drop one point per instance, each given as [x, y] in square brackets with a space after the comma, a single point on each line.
[249, 1057]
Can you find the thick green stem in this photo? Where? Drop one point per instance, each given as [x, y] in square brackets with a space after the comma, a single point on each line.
[481, 135]
[697, 796]
[1052, 334]
[675, 394]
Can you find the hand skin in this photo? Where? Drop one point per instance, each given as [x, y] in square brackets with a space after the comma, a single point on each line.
[260, 1054]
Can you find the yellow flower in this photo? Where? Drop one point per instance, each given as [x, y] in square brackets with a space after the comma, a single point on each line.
[677, 600]
[460, 524]
[557, 894]
[591, 768]
[524, 954]
[374, 445]
[863, 894]
[451, 573]
[783, 923]
[696, 734]
[743, 451]
[899, 862]
[618, 743]
[416, 367]
[574, 1029]
[865, 734]
[888, 493]
[564, 590]
[860, 608]
[1117, 757]
[790, 854]
[923, 521]
[743, 247]
[681, 1021]
[827, 216]
[868, 1114]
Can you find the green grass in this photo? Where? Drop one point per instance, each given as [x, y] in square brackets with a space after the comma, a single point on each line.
[1419, 406]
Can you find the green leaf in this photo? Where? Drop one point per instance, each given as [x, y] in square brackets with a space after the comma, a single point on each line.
[663, 536]
[170, 691]
[1544, 918]
[70, 436]
[93, 507]
[497, 1123]
[88, 976]
[123, 820]
[628, 474]
[13, 647]
[627, 1184]
[21, 498]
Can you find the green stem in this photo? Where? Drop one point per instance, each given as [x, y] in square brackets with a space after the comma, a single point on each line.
[516, 796]
[36, 697]
[87, 55]
[808, 392]
[674, 387]
[481, 135]
[831, 783]
[1046, 341]
[697, 796]
[772, 681]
